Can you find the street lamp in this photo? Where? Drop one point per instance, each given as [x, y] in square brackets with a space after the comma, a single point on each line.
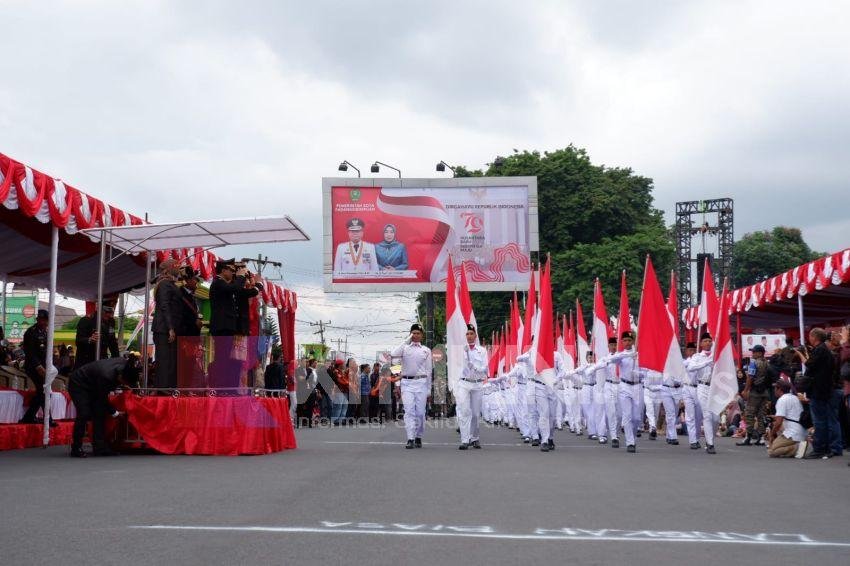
[441, 167]
[346, 164]
[376, 169]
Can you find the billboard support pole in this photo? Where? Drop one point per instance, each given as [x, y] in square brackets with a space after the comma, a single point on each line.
[429, 319]
[3, 304]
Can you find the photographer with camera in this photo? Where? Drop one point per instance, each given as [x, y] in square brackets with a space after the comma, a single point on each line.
[227, 292]
[823, 404]
[785, 433]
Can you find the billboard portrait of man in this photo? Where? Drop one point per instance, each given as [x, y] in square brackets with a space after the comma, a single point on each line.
[355, 255]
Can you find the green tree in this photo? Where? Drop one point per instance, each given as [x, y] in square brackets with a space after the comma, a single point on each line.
[594, 220]
[761, 255]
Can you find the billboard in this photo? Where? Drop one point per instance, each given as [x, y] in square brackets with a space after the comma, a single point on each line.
[20, 315]
[384, 235]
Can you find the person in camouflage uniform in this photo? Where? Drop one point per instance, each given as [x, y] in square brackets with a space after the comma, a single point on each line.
[757, 395]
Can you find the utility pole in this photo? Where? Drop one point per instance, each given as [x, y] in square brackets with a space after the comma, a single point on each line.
[321, 331]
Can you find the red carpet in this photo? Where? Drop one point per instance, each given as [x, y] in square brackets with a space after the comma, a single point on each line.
[15, 436]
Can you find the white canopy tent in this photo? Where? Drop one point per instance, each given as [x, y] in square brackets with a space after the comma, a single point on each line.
[200, 235]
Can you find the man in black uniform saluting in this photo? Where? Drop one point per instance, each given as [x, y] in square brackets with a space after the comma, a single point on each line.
[89, 387]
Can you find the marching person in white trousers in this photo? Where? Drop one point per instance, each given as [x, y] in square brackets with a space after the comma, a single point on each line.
[671, 395]
[693, 411]
[699, 368]
[652, 400]
[588, 408]
[541, 404]
[519, 373]
[468, 391]
[630, 389]
[416, 366]
[612, 395]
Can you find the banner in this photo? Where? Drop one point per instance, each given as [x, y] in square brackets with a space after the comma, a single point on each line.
[385, 238]
[20, 315]
[772, 343]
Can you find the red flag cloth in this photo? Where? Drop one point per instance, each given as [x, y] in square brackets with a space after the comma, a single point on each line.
[465, 298]
[724, 381]
[225, 426]
[673, 304]
[451, 293]
[545, 339]
[493, 361]
[581, 336]
[624, 320]
[530, 308]
[658, 349]
[599, 332]
[708, 305]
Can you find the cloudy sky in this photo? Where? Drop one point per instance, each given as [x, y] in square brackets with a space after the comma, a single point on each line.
[228, 109]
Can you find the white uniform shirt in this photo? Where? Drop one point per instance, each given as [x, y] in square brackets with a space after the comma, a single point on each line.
[415, 359]
[346, 259]
[518, 373]
[474, 363]
[699, 367]
[625, 362]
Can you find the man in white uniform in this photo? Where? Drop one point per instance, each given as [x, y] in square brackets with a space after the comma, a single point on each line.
[519, 374]
[612, 396]
[588, 408]
[699, 368]
[671, 395]
[416, 368]
[629, 390]
[693, 411]
[468, 391]
[652, 400]
[355, 255]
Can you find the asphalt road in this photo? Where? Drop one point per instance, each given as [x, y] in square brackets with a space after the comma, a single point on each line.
[355, 496]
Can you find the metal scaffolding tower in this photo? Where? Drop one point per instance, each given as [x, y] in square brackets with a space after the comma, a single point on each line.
[686, 230]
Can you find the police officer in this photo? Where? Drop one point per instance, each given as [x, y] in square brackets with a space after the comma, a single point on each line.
[35, 364]
[355, 255]
[468, 390]
[89, 387]
[416, 365]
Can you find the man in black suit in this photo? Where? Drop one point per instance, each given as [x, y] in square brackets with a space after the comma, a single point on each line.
[224, 321]
[35, 364]
[166, 321]
[88, 335]
[189, 370]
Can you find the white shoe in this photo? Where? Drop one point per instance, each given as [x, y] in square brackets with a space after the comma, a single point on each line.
[801, 449]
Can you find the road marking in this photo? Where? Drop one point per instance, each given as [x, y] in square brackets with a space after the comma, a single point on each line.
[563, 535]
[399, 443]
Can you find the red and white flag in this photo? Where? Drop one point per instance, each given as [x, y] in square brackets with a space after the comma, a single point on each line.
[599, 330]
[673, 304]
[530, 311]
[455, 330]
[708, 305]
[544, 339]
[724, 381]
[658, 348]
[516, 332]
[624, 323]
[581, 336]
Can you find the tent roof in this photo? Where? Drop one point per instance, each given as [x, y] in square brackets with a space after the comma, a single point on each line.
[200, 234]
[32, 203]
[823, 284]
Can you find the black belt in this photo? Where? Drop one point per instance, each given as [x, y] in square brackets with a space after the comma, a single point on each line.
[577, 387]
[414, 376]
[473, 380]
[518, 382]
[590, 384]
[690, 385]
[629, 382]
[538, 381]
[612, 381]
[674, 386]
[705, 383]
